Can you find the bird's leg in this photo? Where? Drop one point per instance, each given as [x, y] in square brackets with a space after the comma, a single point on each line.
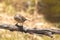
[16, 24]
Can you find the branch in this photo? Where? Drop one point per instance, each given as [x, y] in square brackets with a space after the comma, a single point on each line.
[48, 32]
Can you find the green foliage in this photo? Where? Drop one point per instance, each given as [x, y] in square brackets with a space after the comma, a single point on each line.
[51, 10]
[7, 2]
[53, 7]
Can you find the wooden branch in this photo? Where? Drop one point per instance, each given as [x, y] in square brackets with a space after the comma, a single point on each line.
[48, 32]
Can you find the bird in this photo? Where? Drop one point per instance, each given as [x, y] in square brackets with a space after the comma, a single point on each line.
[19, 19]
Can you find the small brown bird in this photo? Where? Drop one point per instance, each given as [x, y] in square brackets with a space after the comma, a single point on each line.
[19, 18]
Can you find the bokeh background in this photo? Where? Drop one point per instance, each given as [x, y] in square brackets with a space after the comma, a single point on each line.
[41, 13]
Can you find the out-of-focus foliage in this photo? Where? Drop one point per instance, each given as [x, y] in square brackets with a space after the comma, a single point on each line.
[17, 4]
[10, 10]
[25, 5]
[52, 10]
[11, 6]
[52, 7]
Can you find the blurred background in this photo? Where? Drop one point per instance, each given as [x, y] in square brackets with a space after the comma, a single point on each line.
[41, 13]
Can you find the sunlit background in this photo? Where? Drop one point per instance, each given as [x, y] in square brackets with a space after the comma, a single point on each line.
[41, 13]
